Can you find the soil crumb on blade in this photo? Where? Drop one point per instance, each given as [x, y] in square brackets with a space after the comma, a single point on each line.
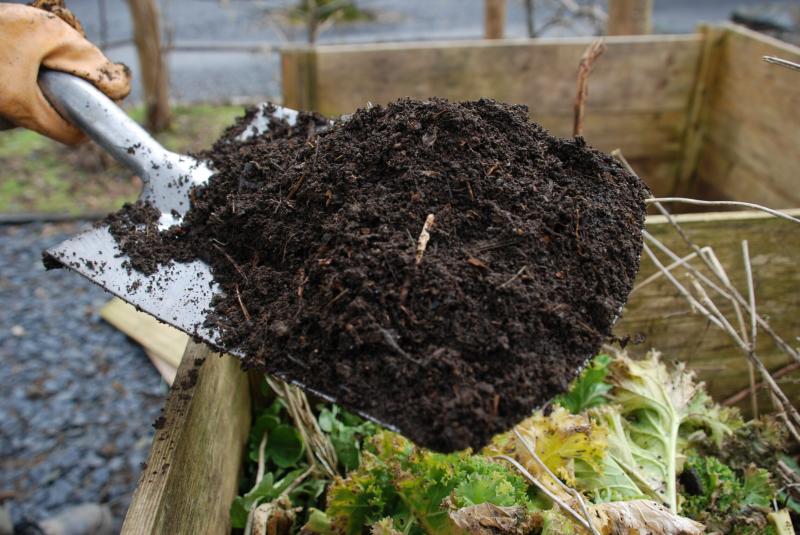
[313, 235]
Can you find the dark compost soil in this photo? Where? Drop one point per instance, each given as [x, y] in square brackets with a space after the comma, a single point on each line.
[313, 237]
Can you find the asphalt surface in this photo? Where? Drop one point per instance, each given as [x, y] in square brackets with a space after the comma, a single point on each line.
[79, 397]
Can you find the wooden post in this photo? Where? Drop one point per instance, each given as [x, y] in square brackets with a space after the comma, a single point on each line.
[192, 473]
[630, 17]
[494, 18]
[152, 63]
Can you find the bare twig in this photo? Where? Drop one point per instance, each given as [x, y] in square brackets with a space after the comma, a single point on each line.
[241, 304]
[659, 274]
[547, 492]
[730, 293]
[515, 277]
[572, 492]
[319, 450]
[424, 236]
[698, 202]
[743, 393]
[708, 309]
[782, 62]
[590, 55]
[753, 326]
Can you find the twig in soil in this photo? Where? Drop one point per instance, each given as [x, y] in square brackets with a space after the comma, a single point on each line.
[698, 202]
[424, 236]
[515, 277]
[336, 298]
[391, 342]
[753, 327]
[547, 492]
[241, 304]
[231, 260]
[590, 55]
[782, 62]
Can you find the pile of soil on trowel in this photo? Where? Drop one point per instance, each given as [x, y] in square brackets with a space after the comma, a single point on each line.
[314, 235]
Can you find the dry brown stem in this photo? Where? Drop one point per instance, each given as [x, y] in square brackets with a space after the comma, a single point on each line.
[590, 55]
[424, 236]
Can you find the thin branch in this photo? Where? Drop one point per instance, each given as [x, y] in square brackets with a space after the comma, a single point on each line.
[698, 202]
[547, 492]
[782, 62]
[741, 394]
[733, 293]
[590, 55]
[708, 309]
[574, 493]
[658, 274]
[751, 294]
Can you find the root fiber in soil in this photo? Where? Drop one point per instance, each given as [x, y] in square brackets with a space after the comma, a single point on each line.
[315, 237]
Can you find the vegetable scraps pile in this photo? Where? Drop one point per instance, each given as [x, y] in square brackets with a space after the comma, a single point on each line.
[632, 447]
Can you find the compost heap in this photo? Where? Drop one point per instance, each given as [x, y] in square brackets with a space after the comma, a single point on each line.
[314, 235]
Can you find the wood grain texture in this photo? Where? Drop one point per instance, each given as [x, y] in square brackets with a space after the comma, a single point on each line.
[660, 313]
[639, 91]
[751, 141]
[191, 475]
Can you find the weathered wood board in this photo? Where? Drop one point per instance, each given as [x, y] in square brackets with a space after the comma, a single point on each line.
[639, 91]
[190, 478]
[750, 139]
[658, 311]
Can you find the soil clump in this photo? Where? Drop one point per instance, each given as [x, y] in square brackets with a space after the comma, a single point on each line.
[313, 234]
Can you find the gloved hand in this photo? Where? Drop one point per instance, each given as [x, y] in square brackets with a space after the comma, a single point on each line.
[31, 38]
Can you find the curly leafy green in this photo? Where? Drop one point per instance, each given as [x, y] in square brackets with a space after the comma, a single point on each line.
[656, 402]
[725, 501]
[590, 389]
[416, 488]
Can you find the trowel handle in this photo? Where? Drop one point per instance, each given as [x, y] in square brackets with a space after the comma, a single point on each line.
[89, 110]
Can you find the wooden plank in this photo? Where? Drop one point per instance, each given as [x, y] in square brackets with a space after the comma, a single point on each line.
[697, 118]
[638, 97]
[165, 369]
[191, 475]
[165, 342]
[750, 151]
[636, 73]
[660, 313]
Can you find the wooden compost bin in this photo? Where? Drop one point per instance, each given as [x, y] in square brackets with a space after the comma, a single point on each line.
[698, 115]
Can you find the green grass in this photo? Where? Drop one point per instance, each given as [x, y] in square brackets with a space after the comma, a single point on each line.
[40, 175]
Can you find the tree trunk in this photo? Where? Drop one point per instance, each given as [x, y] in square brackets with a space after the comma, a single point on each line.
[495, 18]
[152, 63]
[630, 17]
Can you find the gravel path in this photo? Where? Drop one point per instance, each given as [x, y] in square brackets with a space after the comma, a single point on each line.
[79, 398]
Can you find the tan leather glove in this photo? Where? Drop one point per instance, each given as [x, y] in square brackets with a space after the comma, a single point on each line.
[31, 38]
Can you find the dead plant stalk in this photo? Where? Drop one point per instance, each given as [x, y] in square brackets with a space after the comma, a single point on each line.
[590, 55]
